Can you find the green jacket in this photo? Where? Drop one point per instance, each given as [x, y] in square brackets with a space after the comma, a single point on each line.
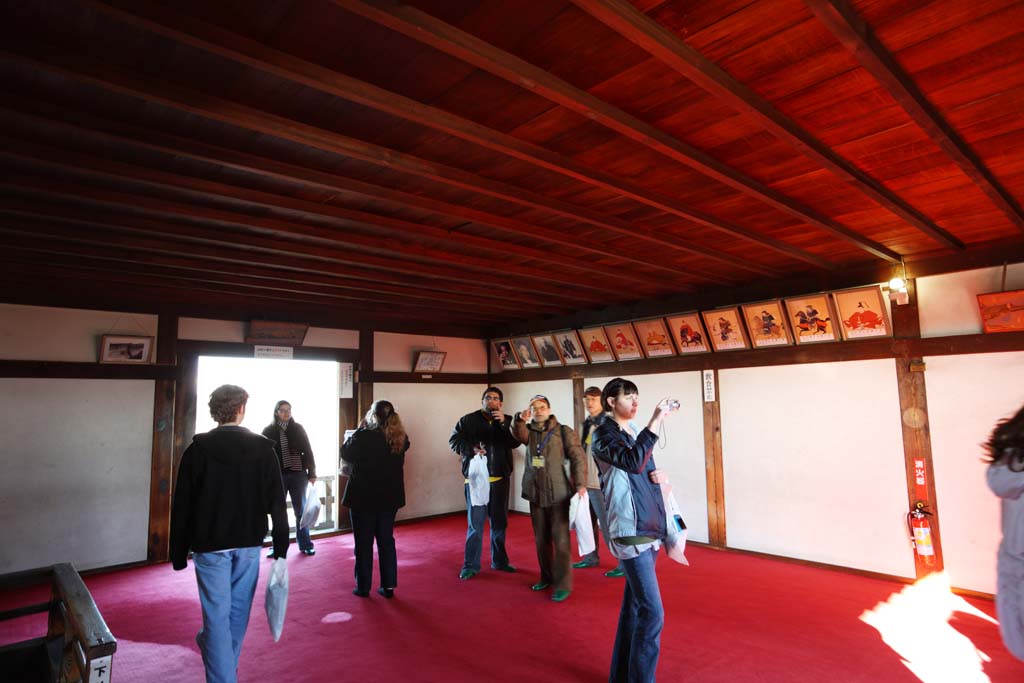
[564, 458]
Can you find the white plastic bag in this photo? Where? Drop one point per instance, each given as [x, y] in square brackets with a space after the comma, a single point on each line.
[479, 481]
[310, 513]
[675, 541]
[276, 600]
[579, 519]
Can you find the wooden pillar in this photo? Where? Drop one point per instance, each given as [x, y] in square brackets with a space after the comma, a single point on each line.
[162, 458]
[579, 409]
[917, 442]
[714, 477]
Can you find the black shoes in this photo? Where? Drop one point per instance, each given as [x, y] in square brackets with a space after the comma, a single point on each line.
[386, 592]
[309, 551]
[360, 594]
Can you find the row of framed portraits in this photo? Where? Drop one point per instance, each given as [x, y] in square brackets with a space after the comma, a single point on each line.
[815, 318]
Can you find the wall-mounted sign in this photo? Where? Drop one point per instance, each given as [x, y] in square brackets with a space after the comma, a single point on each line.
[345, 380]
[276, 352]
[708, 382]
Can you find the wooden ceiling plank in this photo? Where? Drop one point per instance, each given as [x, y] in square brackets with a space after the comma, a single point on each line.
[217, 41]
[665, 46]
[857, 37]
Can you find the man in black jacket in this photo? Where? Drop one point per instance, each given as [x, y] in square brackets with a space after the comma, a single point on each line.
[295, 456]
[228, 482]
[486, 433]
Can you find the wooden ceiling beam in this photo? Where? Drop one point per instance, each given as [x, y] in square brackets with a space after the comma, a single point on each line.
[665, 46]
[61, 160]
[114, 79]
[426, 29]
[857, 37]
[263, 167]
[217, 41]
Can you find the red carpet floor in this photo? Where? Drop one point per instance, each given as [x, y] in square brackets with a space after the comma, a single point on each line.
[730, 618]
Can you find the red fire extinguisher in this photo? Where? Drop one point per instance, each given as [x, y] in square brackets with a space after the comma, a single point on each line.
[921, 532]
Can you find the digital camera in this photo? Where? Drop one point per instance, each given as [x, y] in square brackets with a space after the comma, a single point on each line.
[672, 404]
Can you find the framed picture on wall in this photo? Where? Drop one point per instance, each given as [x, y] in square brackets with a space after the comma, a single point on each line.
[862, 312]
[568, 343]
[523, 347]
[595, 344]
[1002, 311]
[429, 361]
[767, 324]
[688, 333]
[725, 329]
[812, 318]
[654, 337]
[506, 356]
[624, 341]
[547, 352]
[119, 348]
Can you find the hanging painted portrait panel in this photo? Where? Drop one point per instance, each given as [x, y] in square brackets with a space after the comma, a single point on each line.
[624, 341]
[862, 313]
[523, 347]
[812, 318]
[654, 337]
[725, 329]
[688, 333]
[595, 343]
[767, 324]
[546, 350]
[568, 343]
[506, 356]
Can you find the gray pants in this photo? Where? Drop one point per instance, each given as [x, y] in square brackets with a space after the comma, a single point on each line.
[597, 513]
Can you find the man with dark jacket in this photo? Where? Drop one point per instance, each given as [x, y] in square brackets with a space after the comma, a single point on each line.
[486, 433]
[228, 482]
[295, 456]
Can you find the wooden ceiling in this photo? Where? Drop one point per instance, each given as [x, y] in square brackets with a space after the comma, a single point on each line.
[474, 166]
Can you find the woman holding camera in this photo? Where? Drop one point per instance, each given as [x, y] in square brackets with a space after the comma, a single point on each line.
[374, 493]
[1005, 474]
[630, 484]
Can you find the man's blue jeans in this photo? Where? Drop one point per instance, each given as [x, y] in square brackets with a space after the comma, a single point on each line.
[638, 638]
[295, 483]
[227, 583]
[496, 511]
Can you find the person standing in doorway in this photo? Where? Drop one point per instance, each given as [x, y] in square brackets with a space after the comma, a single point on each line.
[228, 482]
[486, 434]
[298, 468]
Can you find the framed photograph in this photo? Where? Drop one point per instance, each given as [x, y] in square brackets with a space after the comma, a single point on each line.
[624, 342]
[119, 348]
[595, 344]
[546, 350]
[767, 324]
[569, 346]
[688, 333]
[506, 356]
[812, 318]
[862, 312]
[654, 337]
[429, 361]
[527, 354]
[725, 329]
[1002, 311]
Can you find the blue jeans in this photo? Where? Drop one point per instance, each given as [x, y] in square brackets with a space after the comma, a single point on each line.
[496, 511]
[598, 512]
[296, 482]
[367, 526]
[638, 638]
[227, 583]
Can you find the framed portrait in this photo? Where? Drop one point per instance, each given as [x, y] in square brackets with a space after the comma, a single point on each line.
[1002, 311]
[654, 337]
[688, 333]
[812, 318]
[429, 361]
[568, 343]
[119, 348]
[547, 352]
[624, 342]
[523, 348]
[862, 313]
[725, 329]
[767, 324]
[596, 346]
[506, 356]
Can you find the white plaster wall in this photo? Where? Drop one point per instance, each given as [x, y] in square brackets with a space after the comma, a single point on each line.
[76, 456]
[433, 474]
[948, 304]
[393, 352]
[64, 334]
[813, 464]
[967, 395]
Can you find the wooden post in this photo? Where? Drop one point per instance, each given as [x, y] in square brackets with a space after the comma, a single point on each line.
[713, 473]
[579, 410]
[917, 442]
[162, 458]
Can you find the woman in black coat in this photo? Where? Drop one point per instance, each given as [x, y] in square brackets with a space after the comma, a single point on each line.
[375, 454]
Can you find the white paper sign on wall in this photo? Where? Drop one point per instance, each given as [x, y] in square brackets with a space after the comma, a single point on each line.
[345, 380]
[709, 386]
[278, 352]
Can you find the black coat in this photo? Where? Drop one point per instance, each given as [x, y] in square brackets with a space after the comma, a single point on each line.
[497, 438]
[377, 479]
[298, 442]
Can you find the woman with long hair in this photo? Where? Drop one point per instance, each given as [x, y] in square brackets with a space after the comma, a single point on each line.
[374, 493]
[1005, 448]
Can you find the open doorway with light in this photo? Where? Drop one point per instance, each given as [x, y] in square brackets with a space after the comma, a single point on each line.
[311, 386]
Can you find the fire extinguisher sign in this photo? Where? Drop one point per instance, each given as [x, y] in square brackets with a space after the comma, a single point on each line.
[920, 480]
